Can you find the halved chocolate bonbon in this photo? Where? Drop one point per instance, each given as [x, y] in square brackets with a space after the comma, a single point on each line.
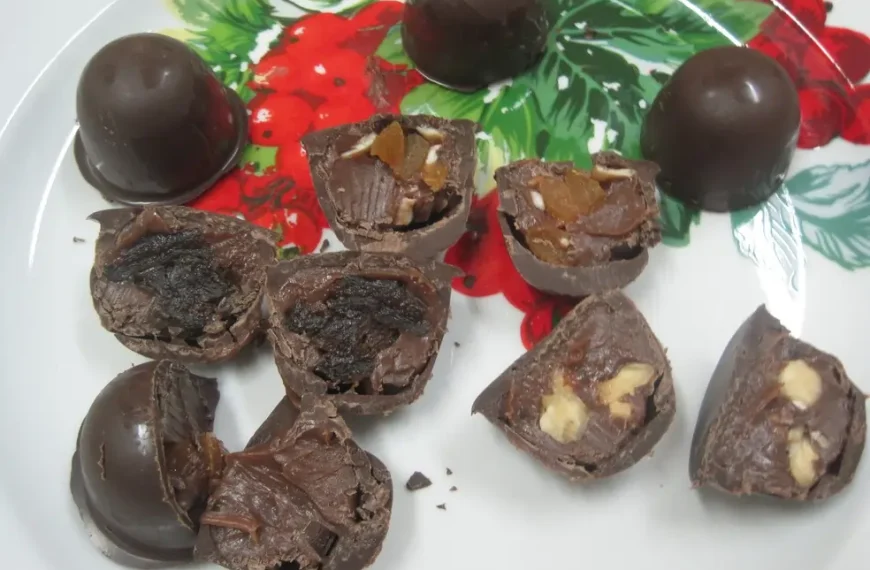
[575, 233]
[172, 282]
[590, 400]
[306, 497]
[361, 330]
[145, 462]
[779, 418]
[394, 183]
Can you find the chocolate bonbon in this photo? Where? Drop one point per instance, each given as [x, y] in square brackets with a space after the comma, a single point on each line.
[172, 282]
[469, 44]
[780, 418]
[394, 183]
[156, 126]
[361, 330]
[590, 400]
[724, 129]
[144, 464]
[575, 233]
[306, 497]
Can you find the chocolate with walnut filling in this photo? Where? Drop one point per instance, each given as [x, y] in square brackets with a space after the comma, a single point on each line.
[593, 398]
[359, 329]
[396, 183]
[306, 498]
[178, 283]
[576, 233]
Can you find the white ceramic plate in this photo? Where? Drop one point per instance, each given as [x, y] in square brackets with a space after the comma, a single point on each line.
[805, 254]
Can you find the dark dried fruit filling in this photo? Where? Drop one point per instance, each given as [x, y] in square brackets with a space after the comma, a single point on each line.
[359, 319]
[180, 270]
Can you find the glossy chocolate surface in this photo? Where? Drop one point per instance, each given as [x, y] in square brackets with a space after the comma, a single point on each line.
[590, 346]
[748, 424]
[469, 44]
[605, 250]
[724, 129]
[155, 124]
[360, 196]
[305, 498]
[173, 282]
[140, 475]
[390, 356]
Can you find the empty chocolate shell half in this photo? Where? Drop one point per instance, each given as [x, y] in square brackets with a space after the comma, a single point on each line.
[591, 399]
[361, 330]
[305, 498]
[145, 463]
[173, 282]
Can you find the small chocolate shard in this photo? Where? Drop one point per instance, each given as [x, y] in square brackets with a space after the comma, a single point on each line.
[77, 239]
[325, 247]
[449, 472]
[453, 489]
[442, 506]
[418, 481]
[469, 281]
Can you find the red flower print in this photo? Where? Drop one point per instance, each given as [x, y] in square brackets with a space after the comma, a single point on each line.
[321, 31]
[858, 129]
[373, 23]
[825, 63]
[225, 197]
[539, 322]
[278, 118]
[335, 113]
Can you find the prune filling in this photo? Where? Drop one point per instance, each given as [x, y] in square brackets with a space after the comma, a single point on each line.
[360, 318]
[180, 270]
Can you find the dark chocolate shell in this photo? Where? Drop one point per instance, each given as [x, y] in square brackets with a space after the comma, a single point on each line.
[349, 196]
[753, 430]
[628, 254]
[568, 385]
[306, 497]
[173, 282]
[361, 330]
[141, 474]
[156, 126]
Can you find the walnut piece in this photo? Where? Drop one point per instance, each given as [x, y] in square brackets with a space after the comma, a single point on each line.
[564, 415]
[802, 458]
[800, 383]
[605, 174]
[629, 378]
[431, 134]
[405, 212]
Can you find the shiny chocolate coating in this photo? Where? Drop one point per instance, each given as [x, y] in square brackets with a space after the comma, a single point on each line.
[119, 477]
[469, 44]
[156, 126]
[724, 129]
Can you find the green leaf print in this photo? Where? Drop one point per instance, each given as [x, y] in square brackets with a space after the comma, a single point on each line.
[833, 209]
[704, 24]
[225, 33]
[677, 221]
[336, 6]
[391, 48]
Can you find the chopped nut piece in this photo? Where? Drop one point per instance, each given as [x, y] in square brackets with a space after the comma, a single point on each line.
[605, 174]
[564, 416]
[405, 212]
[431, 134]
[629, 378]
[802, 458]
[361, 147]
[432, 158]
[820, 439]
[548, 244]
[389, 147]
[435, 176]
[800, 383]
[537, 200]
[416, 153]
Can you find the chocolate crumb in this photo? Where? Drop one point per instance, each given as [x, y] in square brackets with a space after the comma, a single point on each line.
[442, 506]
[453, 489]
[456, 344]
[417, 481]
[449, 471]
[468, 281]
[77, 239]
[829, 6]
[325, 246]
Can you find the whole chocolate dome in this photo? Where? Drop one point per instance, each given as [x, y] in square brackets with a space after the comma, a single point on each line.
[724, 129]
[469, 44]
[156, 126]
